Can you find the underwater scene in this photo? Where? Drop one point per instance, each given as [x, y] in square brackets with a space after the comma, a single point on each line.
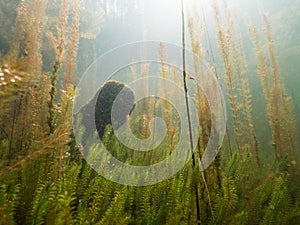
[150, 112]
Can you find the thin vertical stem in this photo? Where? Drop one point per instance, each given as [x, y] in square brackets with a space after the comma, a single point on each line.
[187, 107]
[12, 131]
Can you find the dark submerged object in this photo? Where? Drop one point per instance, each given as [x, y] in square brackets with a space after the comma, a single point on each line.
[103, 102]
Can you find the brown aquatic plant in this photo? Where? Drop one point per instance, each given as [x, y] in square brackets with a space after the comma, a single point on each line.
[28, 35]
[279, 104]
[232, 54]
[72, 48]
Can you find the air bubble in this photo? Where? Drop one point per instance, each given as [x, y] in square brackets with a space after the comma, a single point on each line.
[6, 71]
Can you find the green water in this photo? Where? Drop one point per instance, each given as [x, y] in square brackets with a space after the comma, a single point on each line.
[54, 59]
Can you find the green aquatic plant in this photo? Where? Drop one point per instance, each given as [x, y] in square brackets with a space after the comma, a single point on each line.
[45, 181]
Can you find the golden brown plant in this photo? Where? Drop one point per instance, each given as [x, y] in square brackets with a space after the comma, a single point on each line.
[223, 37]
[24, 117]
[28, 36]
[279, 104]
[203, 108]
[232, 54]
[59, 44]
[71, 52]
[164, 74]
[29, 95]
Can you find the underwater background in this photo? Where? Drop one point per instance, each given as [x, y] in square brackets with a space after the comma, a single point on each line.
[251, 47]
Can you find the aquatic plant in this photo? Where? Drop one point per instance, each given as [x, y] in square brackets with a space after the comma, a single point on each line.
[184, 77]
[239, 94]
[279, 104]
[45, 181]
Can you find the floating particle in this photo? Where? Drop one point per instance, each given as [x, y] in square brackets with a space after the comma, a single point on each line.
[6, 71]
[18, 78]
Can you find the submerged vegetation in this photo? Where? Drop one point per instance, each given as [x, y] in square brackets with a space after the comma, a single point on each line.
[43, 176]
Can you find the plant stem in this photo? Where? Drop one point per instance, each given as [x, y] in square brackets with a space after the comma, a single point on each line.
[188, 109]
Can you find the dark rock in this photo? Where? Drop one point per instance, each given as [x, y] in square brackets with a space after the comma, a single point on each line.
[103, 102]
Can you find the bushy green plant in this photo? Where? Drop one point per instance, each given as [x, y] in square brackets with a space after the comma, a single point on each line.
[44, 180]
